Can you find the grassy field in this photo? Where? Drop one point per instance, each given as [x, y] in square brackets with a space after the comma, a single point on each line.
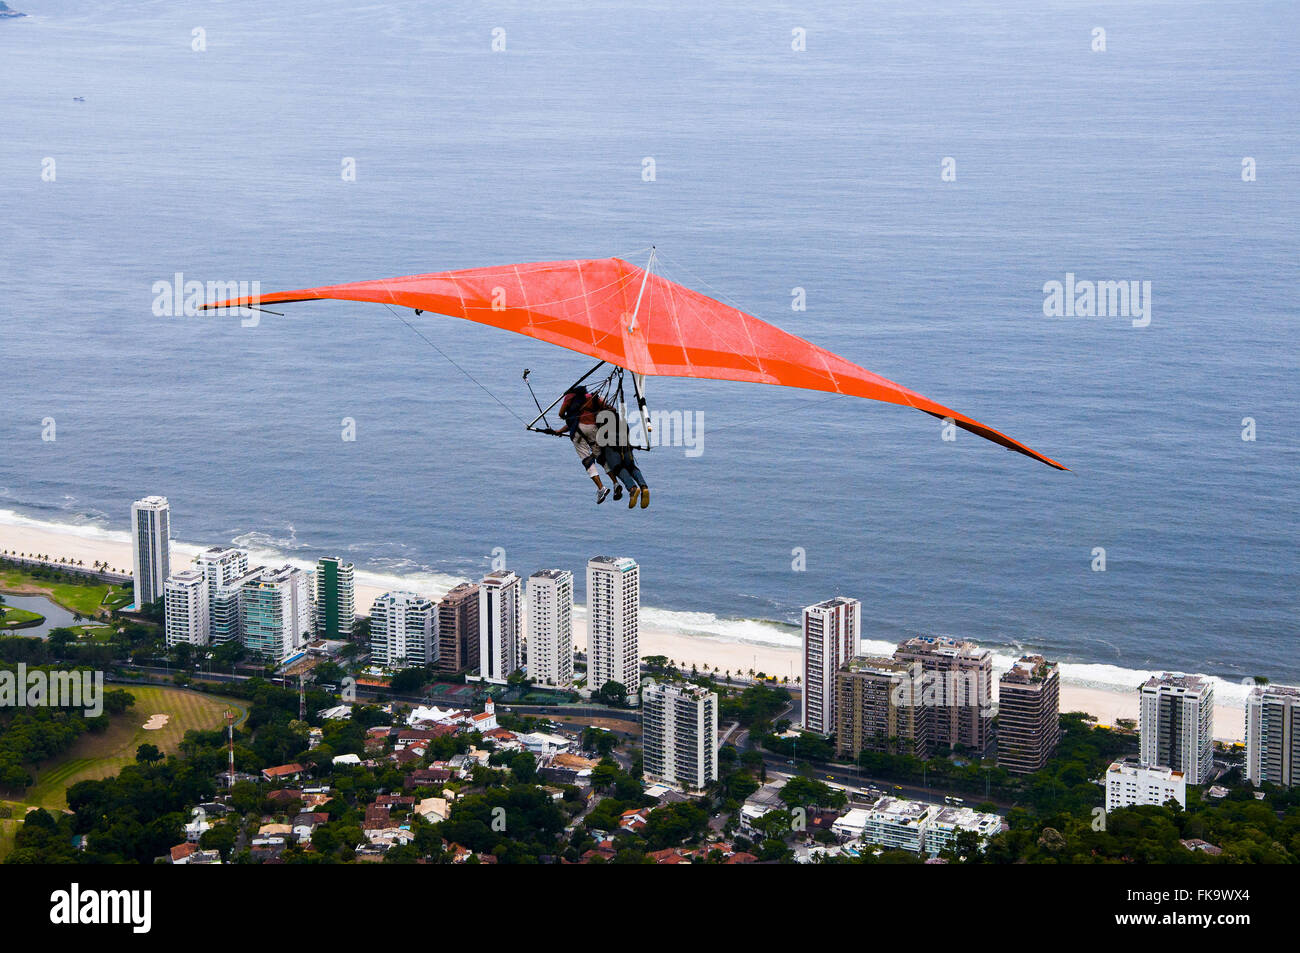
[103, 755]
[85, 598]
[12, 617]
[95, 633]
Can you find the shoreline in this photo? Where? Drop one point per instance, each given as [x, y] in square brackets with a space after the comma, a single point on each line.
[1106, 702]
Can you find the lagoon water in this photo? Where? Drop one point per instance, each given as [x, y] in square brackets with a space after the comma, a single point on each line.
[775, 169]
[54, 615]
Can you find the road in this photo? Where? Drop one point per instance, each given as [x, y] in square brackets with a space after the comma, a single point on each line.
[849, 777]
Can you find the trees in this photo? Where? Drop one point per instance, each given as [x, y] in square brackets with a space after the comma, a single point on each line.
[802, 792]
[148, 754]
[221, 838]
[611, 693]
[410, 680]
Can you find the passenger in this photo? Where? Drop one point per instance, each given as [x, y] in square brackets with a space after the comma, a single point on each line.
[589, 453]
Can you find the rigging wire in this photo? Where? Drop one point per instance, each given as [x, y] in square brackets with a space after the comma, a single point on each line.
[455, 365]
[471, 377]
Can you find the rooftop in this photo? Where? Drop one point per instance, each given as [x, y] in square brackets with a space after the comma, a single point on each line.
[680, 689]
[835, 603]
[1176, 681]
[551, 574]
[942, 645]
[1029, 669]
[901, 809]
[1134, 767]
[875, 663]
[622, 563]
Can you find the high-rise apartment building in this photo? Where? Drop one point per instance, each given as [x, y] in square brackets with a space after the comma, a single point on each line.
[878, 707]
[226, 622]
[1029, 714]
[402, 628]
[831, 632]
[500, 605]
[185, 608]
[957, 682]
[151, 544]
[335, 598]
[550, 627]
[1273, 735]
[679, 734]
[613, 623]
[275, 612]
[1176, 724]
[458, 629]
[221, 566]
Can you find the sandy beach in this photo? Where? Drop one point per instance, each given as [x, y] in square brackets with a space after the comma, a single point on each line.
[91, 544]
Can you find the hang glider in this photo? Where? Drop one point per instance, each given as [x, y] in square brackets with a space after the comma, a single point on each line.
[635, 319]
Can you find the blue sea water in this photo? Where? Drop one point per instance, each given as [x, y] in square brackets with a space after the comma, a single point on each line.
[775, 169]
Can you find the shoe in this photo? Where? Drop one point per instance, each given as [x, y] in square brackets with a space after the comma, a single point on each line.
[645, 497]
[631, 496]
[601, 494]
[618, 492]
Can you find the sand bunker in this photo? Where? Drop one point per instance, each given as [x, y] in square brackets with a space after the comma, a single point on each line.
[156, 721]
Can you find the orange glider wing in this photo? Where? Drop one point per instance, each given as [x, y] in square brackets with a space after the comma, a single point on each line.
[588, 305]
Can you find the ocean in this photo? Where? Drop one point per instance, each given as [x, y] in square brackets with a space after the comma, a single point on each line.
[216, 143]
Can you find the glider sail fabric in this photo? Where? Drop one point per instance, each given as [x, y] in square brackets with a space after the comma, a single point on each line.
[588, 306]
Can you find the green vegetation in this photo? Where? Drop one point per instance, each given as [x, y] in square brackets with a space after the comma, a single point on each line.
[1245, 829]
[74, 592]
[29, 736]
[19, 618]
[103, 752]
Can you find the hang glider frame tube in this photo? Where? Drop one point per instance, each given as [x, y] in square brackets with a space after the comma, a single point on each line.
[620, 401]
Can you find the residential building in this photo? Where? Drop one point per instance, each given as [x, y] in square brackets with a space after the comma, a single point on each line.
[957, 683]
[402, 631]
[185, 608]
[613, 621]
[225, 606]
[1029, 714]
[550, 627]
[335, 598]
[500, 598]
[679, 734]
[831, 632]
[275, 613]
[458, 629]
[1176, 723]
[896, 823]
[1130, 783]
[151, 544]
[759, 804]
[221, 566]
[878, 708]
[1273, 735]
[948, 823]
[892, 823]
